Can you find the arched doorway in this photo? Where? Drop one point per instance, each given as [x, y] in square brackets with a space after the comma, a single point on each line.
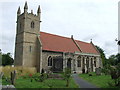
[69, 63]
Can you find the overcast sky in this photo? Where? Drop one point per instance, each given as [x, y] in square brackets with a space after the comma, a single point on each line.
[84, 19]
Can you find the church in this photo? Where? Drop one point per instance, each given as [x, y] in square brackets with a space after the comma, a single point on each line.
[50, 52]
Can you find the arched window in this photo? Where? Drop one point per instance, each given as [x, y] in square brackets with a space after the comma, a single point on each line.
[49, 61]
[87, 61]
[91, 61]
[32, 24]
[95, 63]
[79, 61]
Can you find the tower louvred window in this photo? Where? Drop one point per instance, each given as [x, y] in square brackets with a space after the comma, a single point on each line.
[32, 24]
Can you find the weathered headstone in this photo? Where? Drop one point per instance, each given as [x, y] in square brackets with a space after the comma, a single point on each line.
[98, 71]
[1, 75]
[13, 77]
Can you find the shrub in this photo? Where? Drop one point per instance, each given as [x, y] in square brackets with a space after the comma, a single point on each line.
[106, 69]
[115, 74]
[67, 75]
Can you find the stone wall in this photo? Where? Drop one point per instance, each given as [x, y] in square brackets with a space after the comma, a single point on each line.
[45, 55]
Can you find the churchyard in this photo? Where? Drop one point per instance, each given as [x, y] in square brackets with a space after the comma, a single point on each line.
[107, 77]
[23, 77]
[101, 81]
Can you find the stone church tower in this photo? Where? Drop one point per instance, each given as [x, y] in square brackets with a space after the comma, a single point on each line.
[28, 46]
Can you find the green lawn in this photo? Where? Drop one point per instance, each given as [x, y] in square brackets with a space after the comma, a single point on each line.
[100, 81]
[48, 83]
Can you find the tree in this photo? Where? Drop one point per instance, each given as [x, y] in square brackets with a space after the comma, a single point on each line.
[118, 58]
[7, 59]
[112, 60]
[67, 75]
[102, 55]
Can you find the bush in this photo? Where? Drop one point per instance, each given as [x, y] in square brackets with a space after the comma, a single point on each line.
[106, 69]
[115, 74]
[67, 75]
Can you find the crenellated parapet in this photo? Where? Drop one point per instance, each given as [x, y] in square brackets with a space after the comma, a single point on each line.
[26, 13]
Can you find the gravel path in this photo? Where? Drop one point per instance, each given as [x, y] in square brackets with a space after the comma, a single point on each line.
[82, 83]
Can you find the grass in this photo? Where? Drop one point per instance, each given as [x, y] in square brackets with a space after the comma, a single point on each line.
[26, 82]
[48, 83]
[20, 70]
[100, 81]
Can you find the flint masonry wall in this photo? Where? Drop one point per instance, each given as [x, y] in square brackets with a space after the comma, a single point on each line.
[45, 55]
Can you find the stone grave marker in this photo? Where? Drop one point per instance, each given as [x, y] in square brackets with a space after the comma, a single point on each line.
[13, 77]
[98, 71]
[1, 75]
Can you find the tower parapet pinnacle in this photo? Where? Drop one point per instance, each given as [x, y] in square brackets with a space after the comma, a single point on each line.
[19, 11]
[39, 10]
[25, 7]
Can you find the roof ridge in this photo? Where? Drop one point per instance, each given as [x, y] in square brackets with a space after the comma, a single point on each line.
[56, 35]
[82, 41]
[76, 44]
[53, 42]
[64, 37]
[95, 47]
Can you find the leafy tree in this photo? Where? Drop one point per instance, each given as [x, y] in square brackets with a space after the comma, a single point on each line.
[7, 59]
[67, 75]
[117, 58]
[102, 55]
[112, 60]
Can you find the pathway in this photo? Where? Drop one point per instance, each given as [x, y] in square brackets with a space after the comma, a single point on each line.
[7, 87]
[82, 83]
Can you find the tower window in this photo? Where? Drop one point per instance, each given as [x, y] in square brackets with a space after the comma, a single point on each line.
[32, 24]
[49, 61]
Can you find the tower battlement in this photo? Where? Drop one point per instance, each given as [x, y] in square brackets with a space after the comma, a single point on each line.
[27, 13]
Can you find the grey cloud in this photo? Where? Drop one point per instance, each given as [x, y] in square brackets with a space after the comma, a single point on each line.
[92, 36]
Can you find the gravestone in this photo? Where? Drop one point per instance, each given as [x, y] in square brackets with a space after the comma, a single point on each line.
[98, 71]
[1, 75]
[13, 77]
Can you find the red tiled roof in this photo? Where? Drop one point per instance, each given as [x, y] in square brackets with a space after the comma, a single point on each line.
[87, 47]
[51, 42]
